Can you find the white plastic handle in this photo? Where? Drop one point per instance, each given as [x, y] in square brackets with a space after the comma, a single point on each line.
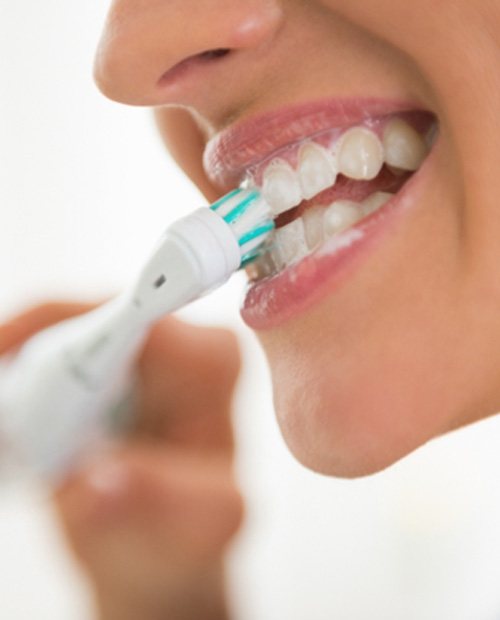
[56, 394]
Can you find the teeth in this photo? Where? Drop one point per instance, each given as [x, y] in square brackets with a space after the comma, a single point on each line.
[340, 216]
[307, 233]
[374, 202]
[281, 188]
[262, 268]
[316, 170]
[361, 155]
[290, 243]
[404, 148]
[314, 226]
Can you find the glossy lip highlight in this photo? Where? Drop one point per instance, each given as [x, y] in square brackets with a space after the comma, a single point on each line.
[229, 154]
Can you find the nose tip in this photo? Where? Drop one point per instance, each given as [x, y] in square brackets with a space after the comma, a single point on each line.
[148, 45]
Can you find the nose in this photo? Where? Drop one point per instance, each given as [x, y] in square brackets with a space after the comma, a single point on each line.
[155, 52]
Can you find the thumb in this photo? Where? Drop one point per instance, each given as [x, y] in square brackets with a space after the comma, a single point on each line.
[144, 517]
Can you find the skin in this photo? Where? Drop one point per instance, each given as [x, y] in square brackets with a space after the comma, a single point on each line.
[408, 347]
[400, 360]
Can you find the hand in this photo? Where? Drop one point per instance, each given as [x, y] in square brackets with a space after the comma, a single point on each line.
[150, 521]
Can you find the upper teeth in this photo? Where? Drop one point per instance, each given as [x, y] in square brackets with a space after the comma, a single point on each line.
[281, 188]
[403, 146]
[316, 170]
[290, 243]
[359, 154]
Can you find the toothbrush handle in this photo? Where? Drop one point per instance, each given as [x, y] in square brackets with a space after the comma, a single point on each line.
[58, 392]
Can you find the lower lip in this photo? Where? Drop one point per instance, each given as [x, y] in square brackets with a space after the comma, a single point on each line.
[273, 301]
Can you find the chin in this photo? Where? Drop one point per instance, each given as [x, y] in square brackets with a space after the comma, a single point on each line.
[345, 441]
[335, 427]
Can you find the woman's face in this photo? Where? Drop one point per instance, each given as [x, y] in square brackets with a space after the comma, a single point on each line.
[387, 334]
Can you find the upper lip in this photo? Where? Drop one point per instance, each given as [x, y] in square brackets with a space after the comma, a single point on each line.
[231, 152]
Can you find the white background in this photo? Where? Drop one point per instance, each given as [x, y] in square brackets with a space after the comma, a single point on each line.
[85, 189]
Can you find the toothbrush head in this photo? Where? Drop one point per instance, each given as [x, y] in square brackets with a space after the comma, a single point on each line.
[249, 217]
[199, 252]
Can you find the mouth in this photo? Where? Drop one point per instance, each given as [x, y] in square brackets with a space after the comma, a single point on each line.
[330, 174]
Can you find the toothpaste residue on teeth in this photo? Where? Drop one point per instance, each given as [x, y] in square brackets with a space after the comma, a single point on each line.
[359, 152]
[344, 240]
[320, 228]
[290, 243]
[316, 170]
[281, 188]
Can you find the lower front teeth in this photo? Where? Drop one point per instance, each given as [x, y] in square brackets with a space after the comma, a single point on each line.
[374, 202]
[305, 234]
[314, 227]
[290, 243]
[340, 216]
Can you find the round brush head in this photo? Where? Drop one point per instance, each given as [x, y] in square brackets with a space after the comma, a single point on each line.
[249, 217]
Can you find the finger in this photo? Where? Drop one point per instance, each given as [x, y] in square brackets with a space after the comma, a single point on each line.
[148, 516]
[21, 327]
[186, 141]
[187, 379]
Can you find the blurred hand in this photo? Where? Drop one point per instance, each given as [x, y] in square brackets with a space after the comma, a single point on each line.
[150, 521]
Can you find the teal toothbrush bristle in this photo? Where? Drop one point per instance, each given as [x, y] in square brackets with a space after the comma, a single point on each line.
[248, 215]
[241, 207]
[256, 233]
[225, 199]
[249, 258]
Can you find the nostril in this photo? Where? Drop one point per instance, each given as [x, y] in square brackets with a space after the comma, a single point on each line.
[182, 67]
[214, 54]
